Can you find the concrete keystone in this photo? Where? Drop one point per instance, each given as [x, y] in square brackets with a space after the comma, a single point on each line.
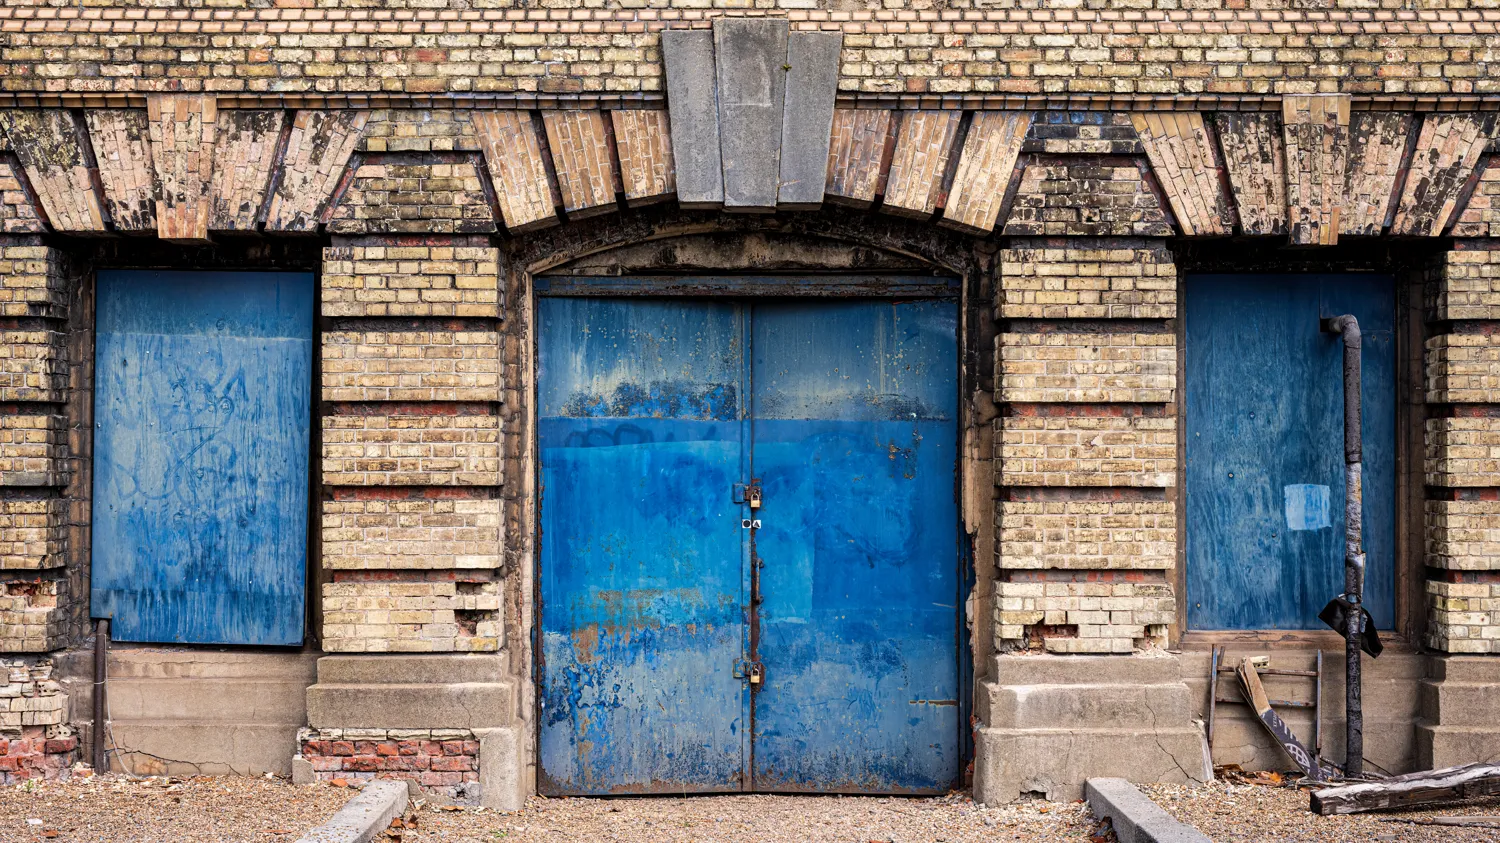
[751, 62]
[692, 102]
[363, 817]
[812, 81]
[1135, 818]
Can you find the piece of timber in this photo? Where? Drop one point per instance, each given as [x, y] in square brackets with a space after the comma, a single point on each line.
[1426, 787]
[1256, 695]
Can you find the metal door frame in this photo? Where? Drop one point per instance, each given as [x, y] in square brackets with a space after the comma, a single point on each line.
[1408, 272]
[752, 289]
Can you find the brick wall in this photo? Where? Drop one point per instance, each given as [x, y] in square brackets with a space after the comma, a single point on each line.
[405, 613]
[444, 279]
[444, 761]
[1463, 450]
[34, 740]
[357, 46]
[1086, 440]
[35, 457]
[412, 449]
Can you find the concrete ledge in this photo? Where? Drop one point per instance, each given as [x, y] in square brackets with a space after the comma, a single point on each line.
[363, 817]
[1136, 819]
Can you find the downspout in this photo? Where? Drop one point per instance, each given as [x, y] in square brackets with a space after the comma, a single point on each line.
[1354, 556]
[101, 707]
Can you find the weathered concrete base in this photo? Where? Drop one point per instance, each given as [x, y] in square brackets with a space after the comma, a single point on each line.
[502, 764]
[1460, 711]
[364, 817]
[1390, 705]
[1134, 817]
[186, 712]
[472, 692]
[1051, 722]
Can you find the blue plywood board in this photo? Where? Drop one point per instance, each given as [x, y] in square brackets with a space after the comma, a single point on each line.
[855, 445]
[643, 592]
[645, 582]
[1265, 449]
[202, 404]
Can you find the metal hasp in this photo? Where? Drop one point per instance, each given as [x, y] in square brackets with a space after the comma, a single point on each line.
[1354, 556]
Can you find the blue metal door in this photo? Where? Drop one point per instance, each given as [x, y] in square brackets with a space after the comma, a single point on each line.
[855, 407]
[1265, 458]
[684, 648]
[643, 594]
[202, 403]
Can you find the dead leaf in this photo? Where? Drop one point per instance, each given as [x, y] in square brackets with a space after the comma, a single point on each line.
[278, 831]
[50, 832]
[450, 807]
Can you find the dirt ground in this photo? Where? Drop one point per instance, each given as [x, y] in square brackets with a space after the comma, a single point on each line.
[1247, 812]
[206, 809]
[763, 819]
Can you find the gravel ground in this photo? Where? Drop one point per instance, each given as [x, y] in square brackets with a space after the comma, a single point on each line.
[1246, 812]
[206, 809]
[763, 819]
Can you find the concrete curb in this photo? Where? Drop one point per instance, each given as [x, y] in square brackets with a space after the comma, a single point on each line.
[366, 815]
[1136, 819]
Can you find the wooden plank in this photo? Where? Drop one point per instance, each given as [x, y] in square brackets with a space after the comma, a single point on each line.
[1316, 129]
[183, 128]
[1255, 158]
[246, 153]
[855, 152]
[643, 143]
[1255, 695]
[120, 138]
[1427, 787]
[921, 158]
[317, 153]
[692, 97]
[1377, 145]
[1182, 157]
[985, 169]
[807, 121]
[49, 144]
[1448, 150]
[514, 158]
[581, 160]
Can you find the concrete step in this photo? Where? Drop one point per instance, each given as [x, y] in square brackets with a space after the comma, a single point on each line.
[1476, 669]
[1390, 745]
[1460, 703]
[262, 700]
[1085, 670]
[198, 747]
[1084, 706]
[1388, 683]
[1055, 762]
[454, 705]
[411, 669]
[1449, 746]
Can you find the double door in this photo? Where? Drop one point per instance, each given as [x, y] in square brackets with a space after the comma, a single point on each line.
[749, 559]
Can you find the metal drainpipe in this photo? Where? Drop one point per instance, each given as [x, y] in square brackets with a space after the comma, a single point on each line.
[1354, 556]
[101, 665]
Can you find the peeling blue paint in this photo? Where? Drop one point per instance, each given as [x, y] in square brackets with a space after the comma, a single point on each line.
[202, 405]
[646, 570]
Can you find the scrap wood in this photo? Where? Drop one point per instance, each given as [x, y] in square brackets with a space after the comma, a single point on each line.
[1255, 694]
[1422, 788]
[1468, 822]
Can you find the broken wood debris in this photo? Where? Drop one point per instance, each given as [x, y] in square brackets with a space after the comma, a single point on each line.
[1427, 787]
[1255, 694]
